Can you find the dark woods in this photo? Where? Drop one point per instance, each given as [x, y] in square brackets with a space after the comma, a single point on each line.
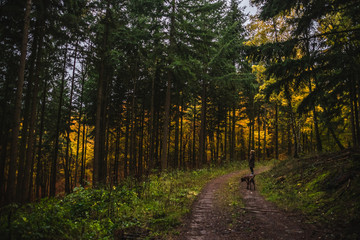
[93, 92]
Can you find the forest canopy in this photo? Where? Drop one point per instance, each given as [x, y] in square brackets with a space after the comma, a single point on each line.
[93, 92]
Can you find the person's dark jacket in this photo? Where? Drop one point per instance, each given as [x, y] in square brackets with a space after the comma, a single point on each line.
[252, 161]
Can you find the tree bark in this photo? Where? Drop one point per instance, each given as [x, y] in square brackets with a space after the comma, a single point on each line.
[10, 190]
[164, 152]
[276, 131]
[264, 128]
[33, 117]
[259, 140]
[100, 121]
[293, 122]
[68, 128]
[57, 133]
[194, 165]
[39, 168]
[202, 136]
[232, 150]
[176, 149]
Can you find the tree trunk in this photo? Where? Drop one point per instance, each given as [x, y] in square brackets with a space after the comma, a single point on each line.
[33, 117]
[126, 151]
[232, 150]
[10, 190]
[151, 124]
[176, 149]
[40, 165]
[182, 150]
[276, 131]
[259, 140]
[264, 127]
[293, 123]
[83, 155]
[164, 152]
[68, 128]
[141, 144]
[202, 136]
[249, 140]
[57, 133]
[164, 160]
[194, 165]
[79, 128]
[100, 120]
[133, 131]
[225, 150]
[26, 118]
[289, 138]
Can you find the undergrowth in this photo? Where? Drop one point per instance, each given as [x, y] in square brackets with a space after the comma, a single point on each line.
[144, 210]
[325, 188]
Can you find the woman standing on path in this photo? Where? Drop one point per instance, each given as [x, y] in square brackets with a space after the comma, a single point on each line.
[252, 161]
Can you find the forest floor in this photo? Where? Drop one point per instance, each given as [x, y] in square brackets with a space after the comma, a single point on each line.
[213, 215]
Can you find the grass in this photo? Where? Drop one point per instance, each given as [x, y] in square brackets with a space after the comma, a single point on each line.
[148, 209]
[325, 188]
[230, 199]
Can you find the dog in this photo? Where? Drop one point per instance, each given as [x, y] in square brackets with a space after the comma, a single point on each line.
[249, 179]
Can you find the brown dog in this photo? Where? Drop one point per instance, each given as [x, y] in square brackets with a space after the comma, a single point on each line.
[249, 179]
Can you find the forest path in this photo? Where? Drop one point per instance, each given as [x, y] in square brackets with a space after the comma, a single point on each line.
[259, 219]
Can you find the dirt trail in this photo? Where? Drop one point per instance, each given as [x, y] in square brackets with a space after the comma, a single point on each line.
[259, 218]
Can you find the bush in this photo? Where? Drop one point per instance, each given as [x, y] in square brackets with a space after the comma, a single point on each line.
[147, 209]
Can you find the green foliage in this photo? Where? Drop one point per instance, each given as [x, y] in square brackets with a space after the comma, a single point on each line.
[153, 207]
[324, 188]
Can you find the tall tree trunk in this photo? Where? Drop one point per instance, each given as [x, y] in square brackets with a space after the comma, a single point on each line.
[202, 136]
[249, 140]
[289, 138]
[157, 140]
[259, 140]
[253, 133]
[115, 176]
[68, 128]
[33, 117]
[194, 165]
[141, 144]
[182, 153]
[26, 118]
[126, 151]
[293, 123]
[100, 121]
[79, 128]
[176, 149]
[133, 131]
[317, 131]
[10, 190]
[232, 150]
[151, 124]
[83, 155]
[276, 131]
[218, 140]
[164, 152]
[264, 127]
[164, 160]
[225, 152]
[57, 133]
[40, 165]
